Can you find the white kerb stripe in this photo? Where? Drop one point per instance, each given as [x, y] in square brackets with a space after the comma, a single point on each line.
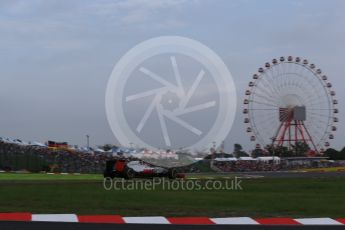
[146, 220]
[55, 217]
[318, 221]
[234, 220]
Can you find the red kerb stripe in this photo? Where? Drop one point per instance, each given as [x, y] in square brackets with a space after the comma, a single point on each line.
[190, 220]
[22, 216]
[277, 221]
[115, 219]
[341, 220]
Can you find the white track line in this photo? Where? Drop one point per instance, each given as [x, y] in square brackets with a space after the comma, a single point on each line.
[234, 220]
[55, 217]
[318, 221]
[146, 220]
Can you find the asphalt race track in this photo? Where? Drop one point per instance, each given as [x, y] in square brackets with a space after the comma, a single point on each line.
[82, 226]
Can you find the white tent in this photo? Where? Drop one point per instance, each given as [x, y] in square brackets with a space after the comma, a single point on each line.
[269, 158]
[247, 159]
[99, 150]
[198, 159]
[226, 159]
[36, 143]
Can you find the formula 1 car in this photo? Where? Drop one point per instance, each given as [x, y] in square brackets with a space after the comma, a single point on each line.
[136, 169]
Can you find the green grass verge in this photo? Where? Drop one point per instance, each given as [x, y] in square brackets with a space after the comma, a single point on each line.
[45, 177]
[330, 169]
[295, 197]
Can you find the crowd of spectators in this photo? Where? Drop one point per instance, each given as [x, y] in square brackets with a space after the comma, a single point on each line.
[14, 157]
[246, 166]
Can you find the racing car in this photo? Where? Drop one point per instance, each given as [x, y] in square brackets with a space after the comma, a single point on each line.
[130, 169]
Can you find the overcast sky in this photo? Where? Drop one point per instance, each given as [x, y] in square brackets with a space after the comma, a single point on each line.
[56, 56]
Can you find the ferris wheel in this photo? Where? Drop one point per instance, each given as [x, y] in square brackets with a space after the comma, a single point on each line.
[289, 101]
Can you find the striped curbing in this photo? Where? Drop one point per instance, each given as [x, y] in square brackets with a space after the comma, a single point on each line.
[117, 219]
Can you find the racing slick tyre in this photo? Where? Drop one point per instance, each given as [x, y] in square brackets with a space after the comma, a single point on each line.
[128, 173]
[172, 173]
[108, 175]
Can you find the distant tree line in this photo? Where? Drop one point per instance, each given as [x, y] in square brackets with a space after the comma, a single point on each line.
[335, 154]
[299, 149]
